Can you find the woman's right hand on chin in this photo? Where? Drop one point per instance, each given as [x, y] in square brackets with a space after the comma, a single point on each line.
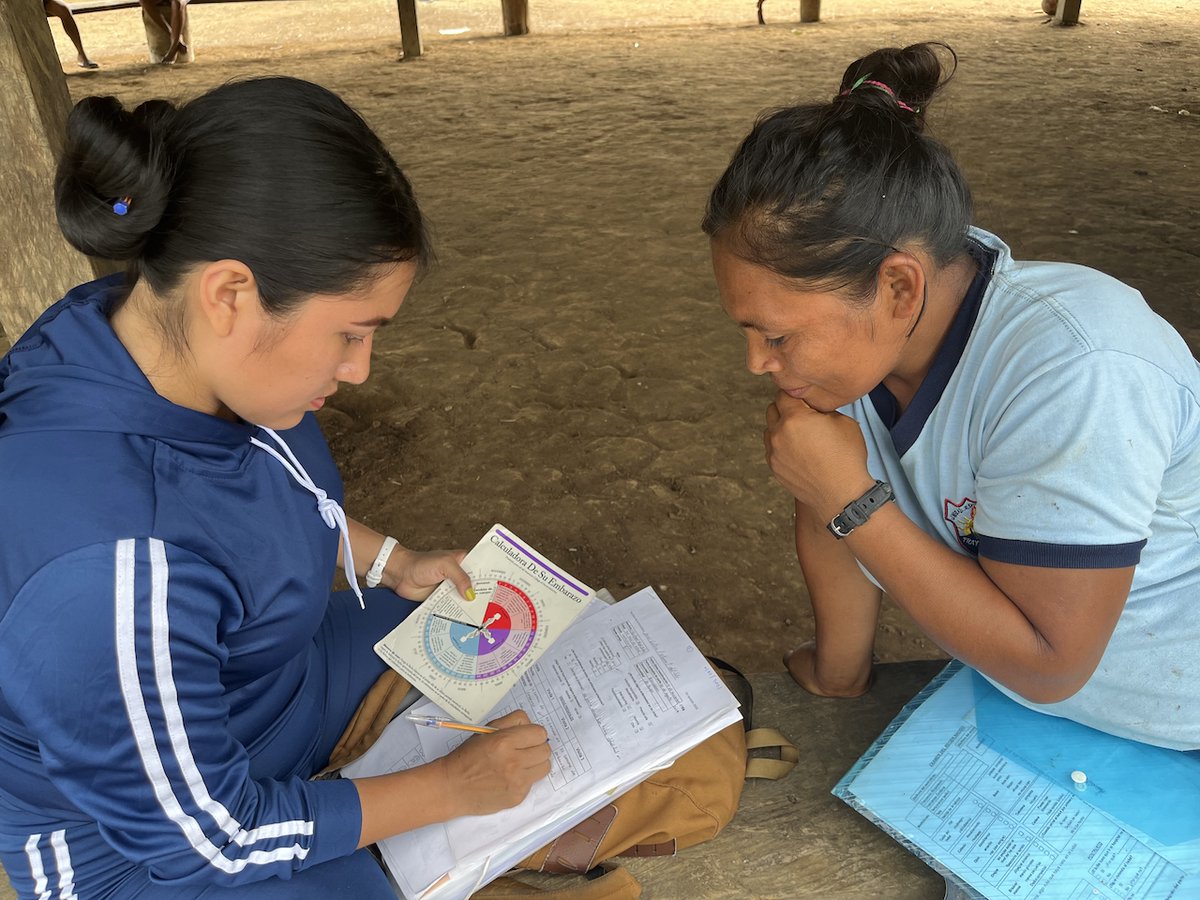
[820, 457]
[490, 772]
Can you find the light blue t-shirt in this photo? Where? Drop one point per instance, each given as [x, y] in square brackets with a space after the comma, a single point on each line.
[1060, 426]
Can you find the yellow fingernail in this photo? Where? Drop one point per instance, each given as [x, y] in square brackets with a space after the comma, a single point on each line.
[470, 594]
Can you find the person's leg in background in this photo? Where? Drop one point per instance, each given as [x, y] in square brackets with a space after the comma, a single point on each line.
[178, 24]
[63, 13]
[152, 12]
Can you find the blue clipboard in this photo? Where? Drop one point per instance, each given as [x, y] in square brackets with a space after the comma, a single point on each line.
[980, 788]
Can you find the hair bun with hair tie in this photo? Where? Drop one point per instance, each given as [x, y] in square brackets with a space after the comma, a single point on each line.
[866, 79]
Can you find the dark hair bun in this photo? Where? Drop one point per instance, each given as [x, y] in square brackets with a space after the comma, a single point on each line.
[913, 76]
[821, 193]
[113, 154]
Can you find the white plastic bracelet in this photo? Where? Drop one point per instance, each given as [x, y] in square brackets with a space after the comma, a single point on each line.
[375, 573]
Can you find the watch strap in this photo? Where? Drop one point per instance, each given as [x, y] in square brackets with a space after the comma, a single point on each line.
[375, 573]
[858, 511]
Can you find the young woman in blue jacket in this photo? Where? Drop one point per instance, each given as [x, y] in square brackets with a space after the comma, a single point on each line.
[173, 667]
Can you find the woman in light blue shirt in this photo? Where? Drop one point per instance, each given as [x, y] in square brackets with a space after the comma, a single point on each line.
[1036, 424]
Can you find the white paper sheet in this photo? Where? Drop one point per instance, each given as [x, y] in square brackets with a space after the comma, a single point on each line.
[399, 748]
[622, 693]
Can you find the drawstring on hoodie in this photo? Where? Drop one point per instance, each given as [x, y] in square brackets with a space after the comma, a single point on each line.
[331, 512]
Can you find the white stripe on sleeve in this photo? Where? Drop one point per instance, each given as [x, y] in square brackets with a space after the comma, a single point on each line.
[62, 859]
[165, 678]
[36, 869]
[143, 732]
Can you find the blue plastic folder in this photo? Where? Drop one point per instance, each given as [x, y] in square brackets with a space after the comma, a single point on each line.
[980, 788]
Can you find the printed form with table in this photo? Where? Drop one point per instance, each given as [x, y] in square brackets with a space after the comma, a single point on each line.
[620, 688]
[1008, 802]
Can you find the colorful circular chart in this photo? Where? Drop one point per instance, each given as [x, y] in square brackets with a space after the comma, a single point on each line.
[472, 654]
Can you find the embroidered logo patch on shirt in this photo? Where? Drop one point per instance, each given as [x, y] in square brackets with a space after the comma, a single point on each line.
[961, 516]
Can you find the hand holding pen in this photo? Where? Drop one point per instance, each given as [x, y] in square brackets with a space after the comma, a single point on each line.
[496, 769]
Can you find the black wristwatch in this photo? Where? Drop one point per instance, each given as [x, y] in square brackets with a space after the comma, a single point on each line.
[857, 512]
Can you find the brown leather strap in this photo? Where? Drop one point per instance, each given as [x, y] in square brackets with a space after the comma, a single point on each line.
[667, 848]
[575, 850]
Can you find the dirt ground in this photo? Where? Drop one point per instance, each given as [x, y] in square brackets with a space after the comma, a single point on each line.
[566, 369]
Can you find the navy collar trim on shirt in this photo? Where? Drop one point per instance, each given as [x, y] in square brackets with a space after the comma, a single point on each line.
[906, 428]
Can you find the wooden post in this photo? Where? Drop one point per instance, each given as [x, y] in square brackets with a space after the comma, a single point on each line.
[410, 29]
[1067, 12]
[516, 17]
[810, 10]
[37, 266]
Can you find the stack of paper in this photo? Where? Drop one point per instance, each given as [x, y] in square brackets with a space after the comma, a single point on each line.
[623, 693]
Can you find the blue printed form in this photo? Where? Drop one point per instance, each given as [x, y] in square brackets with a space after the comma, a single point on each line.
[1006, 802]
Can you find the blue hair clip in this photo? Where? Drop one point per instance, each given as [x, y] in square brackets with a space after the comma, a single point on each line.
[120, 207]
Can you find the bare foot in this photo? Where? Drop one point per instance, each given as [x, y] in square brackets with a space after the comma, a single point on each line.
[802, 666]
